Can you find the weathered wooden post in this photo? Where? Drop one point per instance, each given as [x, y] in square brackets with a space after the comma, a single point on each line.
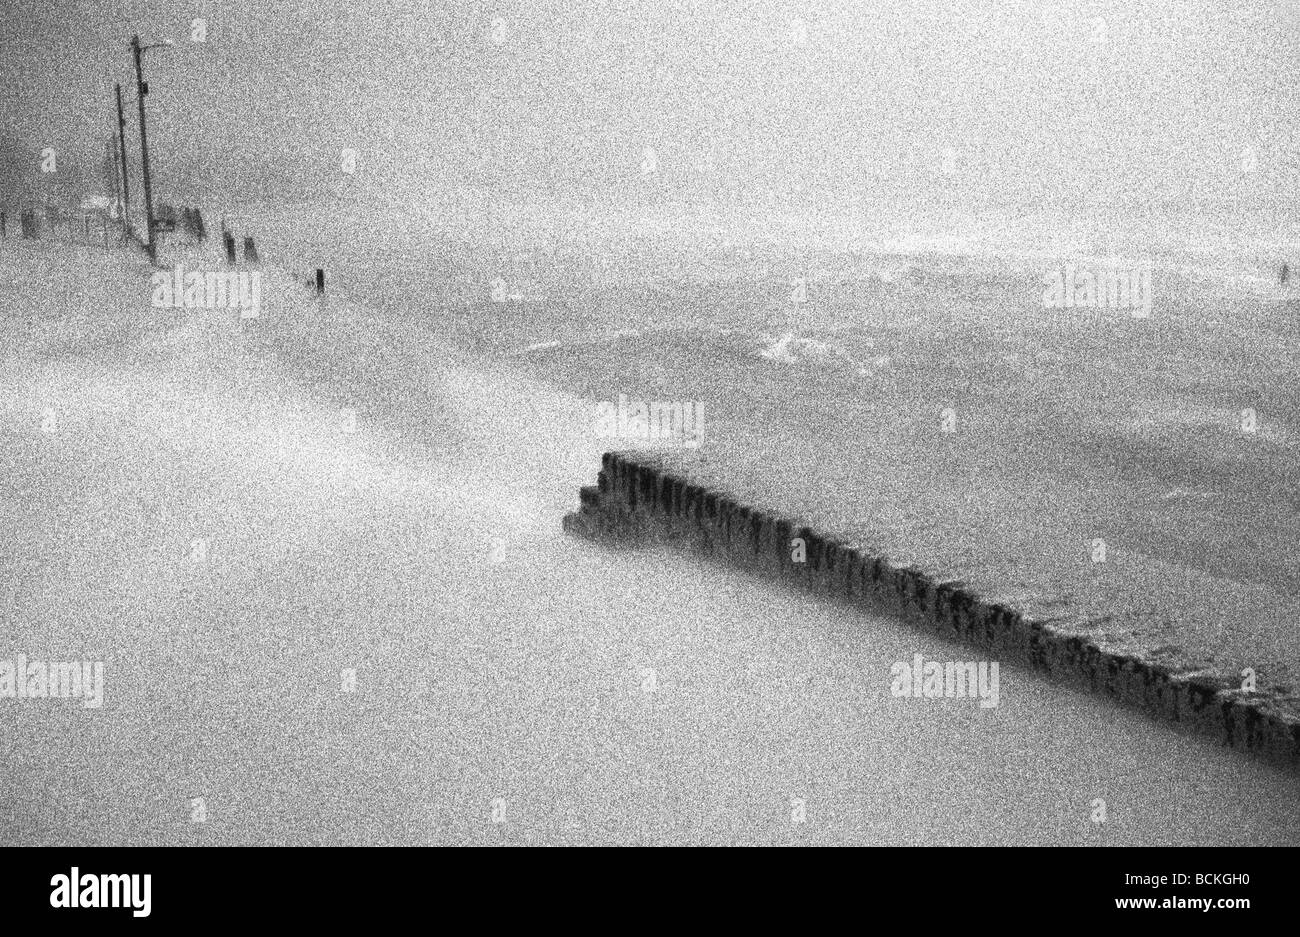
[250, 251]
[193, 222]
[229, 240]
[320, 281]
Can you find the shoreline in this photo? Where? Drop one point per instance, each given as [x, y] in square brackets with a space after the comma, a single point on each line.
[642, 497]
[372, 546]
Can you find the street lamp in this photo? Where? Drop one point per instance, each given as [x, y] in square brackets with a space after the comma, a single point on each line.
[142, 88]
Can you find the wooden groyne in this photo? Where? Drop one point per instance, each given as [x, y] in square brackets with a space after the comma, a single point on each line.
[637, 499]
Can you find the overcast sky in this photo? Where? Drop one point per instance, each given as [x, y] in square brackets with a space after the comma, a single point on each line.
[883, 103]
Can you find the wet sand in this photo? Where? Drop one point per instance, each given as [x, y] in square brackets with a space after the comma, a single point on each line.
[578, 694]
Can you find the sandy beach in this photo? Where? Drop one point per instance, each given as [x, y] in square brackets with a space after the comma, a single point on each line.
[369, 500]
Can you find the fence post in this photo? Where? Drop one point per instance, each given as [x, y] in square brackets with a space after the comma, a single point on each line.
[320, 281]
[230, 246]
[250, 251]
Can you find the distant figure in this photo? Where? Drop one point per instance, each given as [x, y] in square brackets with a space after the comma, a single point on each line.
[1286, 274]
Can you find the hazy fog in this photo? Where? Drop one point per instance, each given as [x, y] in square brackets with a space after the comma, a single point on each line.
[803, 107]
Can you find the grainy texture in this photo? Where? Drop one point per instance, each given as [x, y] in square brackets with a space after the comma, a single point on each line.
[638, 497]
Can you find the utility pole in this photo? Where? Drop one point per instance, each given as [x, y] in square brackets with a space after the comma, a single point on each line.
[141, 89]
[121, 152]
[112, 183]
